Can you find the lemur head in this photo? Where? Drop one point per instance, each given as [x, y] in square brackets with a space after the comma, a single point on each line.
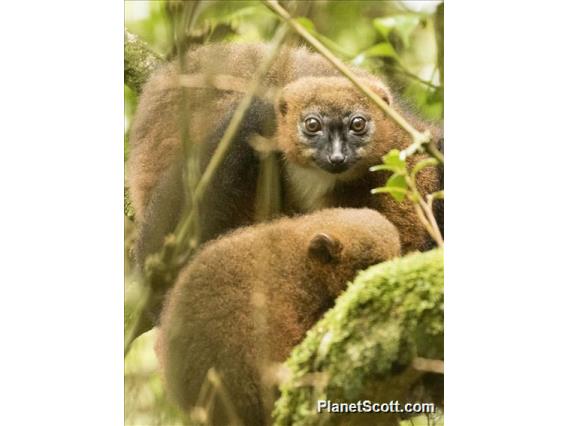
[349, 240]
[328, 123]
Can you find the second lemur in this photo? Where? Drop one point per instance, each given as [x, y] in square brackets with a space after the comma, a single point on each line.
[245, 300]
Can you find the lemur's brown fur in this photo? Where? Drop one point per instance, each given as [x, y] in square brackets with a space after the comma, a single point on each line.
[296, 266]
[155, 135]
[353, 187]
[154, 170]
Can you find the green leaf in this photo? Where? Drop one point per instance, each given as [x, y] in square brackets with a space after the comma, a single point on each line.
[382, 167]
[384, 25]
[396, 185]
[392, 158]
[327, 42]
[397, 193]
[384, 49]
[404, 25]
[397, 182]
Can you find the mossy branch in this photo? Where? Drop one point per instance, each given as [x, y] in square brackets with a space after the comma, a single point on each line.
[139, 62]
[384, 332]
[420, 140]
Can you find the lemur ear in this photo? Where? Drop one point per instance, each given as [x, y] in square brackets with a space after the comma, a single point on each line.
[325, 248]
[383, 92]
[385, 96]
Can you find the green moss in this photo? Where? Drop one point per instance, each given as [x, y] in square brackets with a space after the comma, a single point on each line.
[390, 314]
[139, 62]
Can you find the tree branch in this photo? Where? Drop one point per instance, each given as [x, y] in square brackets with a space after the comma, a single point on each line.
[139, 62]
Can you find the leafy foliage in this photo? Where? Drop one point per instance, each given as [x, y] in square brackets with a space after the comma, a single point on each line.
[396, 184]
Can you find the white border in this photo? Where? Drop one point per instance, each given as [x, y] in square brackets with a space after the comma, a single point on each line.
[61, 168]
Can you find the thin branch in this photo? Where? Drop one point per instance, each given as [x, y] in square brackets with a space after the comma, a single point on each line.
[424, 209]
[419, 145]
[215, 380]
[139, 322]
[427, 224]
[428, 365]
[223, 82]
[182, 24]
[157, 273]
[435, 230]
[401, 69]
[433, 150]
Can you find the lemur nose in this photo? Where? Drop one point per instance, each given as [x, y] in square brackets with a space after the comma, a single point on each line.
[337, 158]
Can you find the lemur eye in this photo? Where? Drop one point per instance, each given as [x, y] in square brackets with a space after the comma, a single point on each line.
[358, 124]
[312, 125]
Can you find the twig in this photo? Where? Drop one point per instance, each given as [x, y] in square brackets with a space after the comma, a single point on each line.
[418, 145]
[138, 323]
[215, 380]
[423, 208]
[200, 412]
[223, 82]
[419, 139]
[428, 365]
[157, 275]
[426, 223]
[401, 69]
[182, 24]
[435, 230]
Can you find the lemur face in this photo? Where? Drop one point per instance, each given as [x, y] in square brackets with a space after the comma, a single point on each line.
[334, 139]
[325, 122]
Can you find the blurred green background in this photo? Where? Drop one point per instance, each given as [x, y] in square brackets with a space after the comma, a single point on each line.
[402, 41]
